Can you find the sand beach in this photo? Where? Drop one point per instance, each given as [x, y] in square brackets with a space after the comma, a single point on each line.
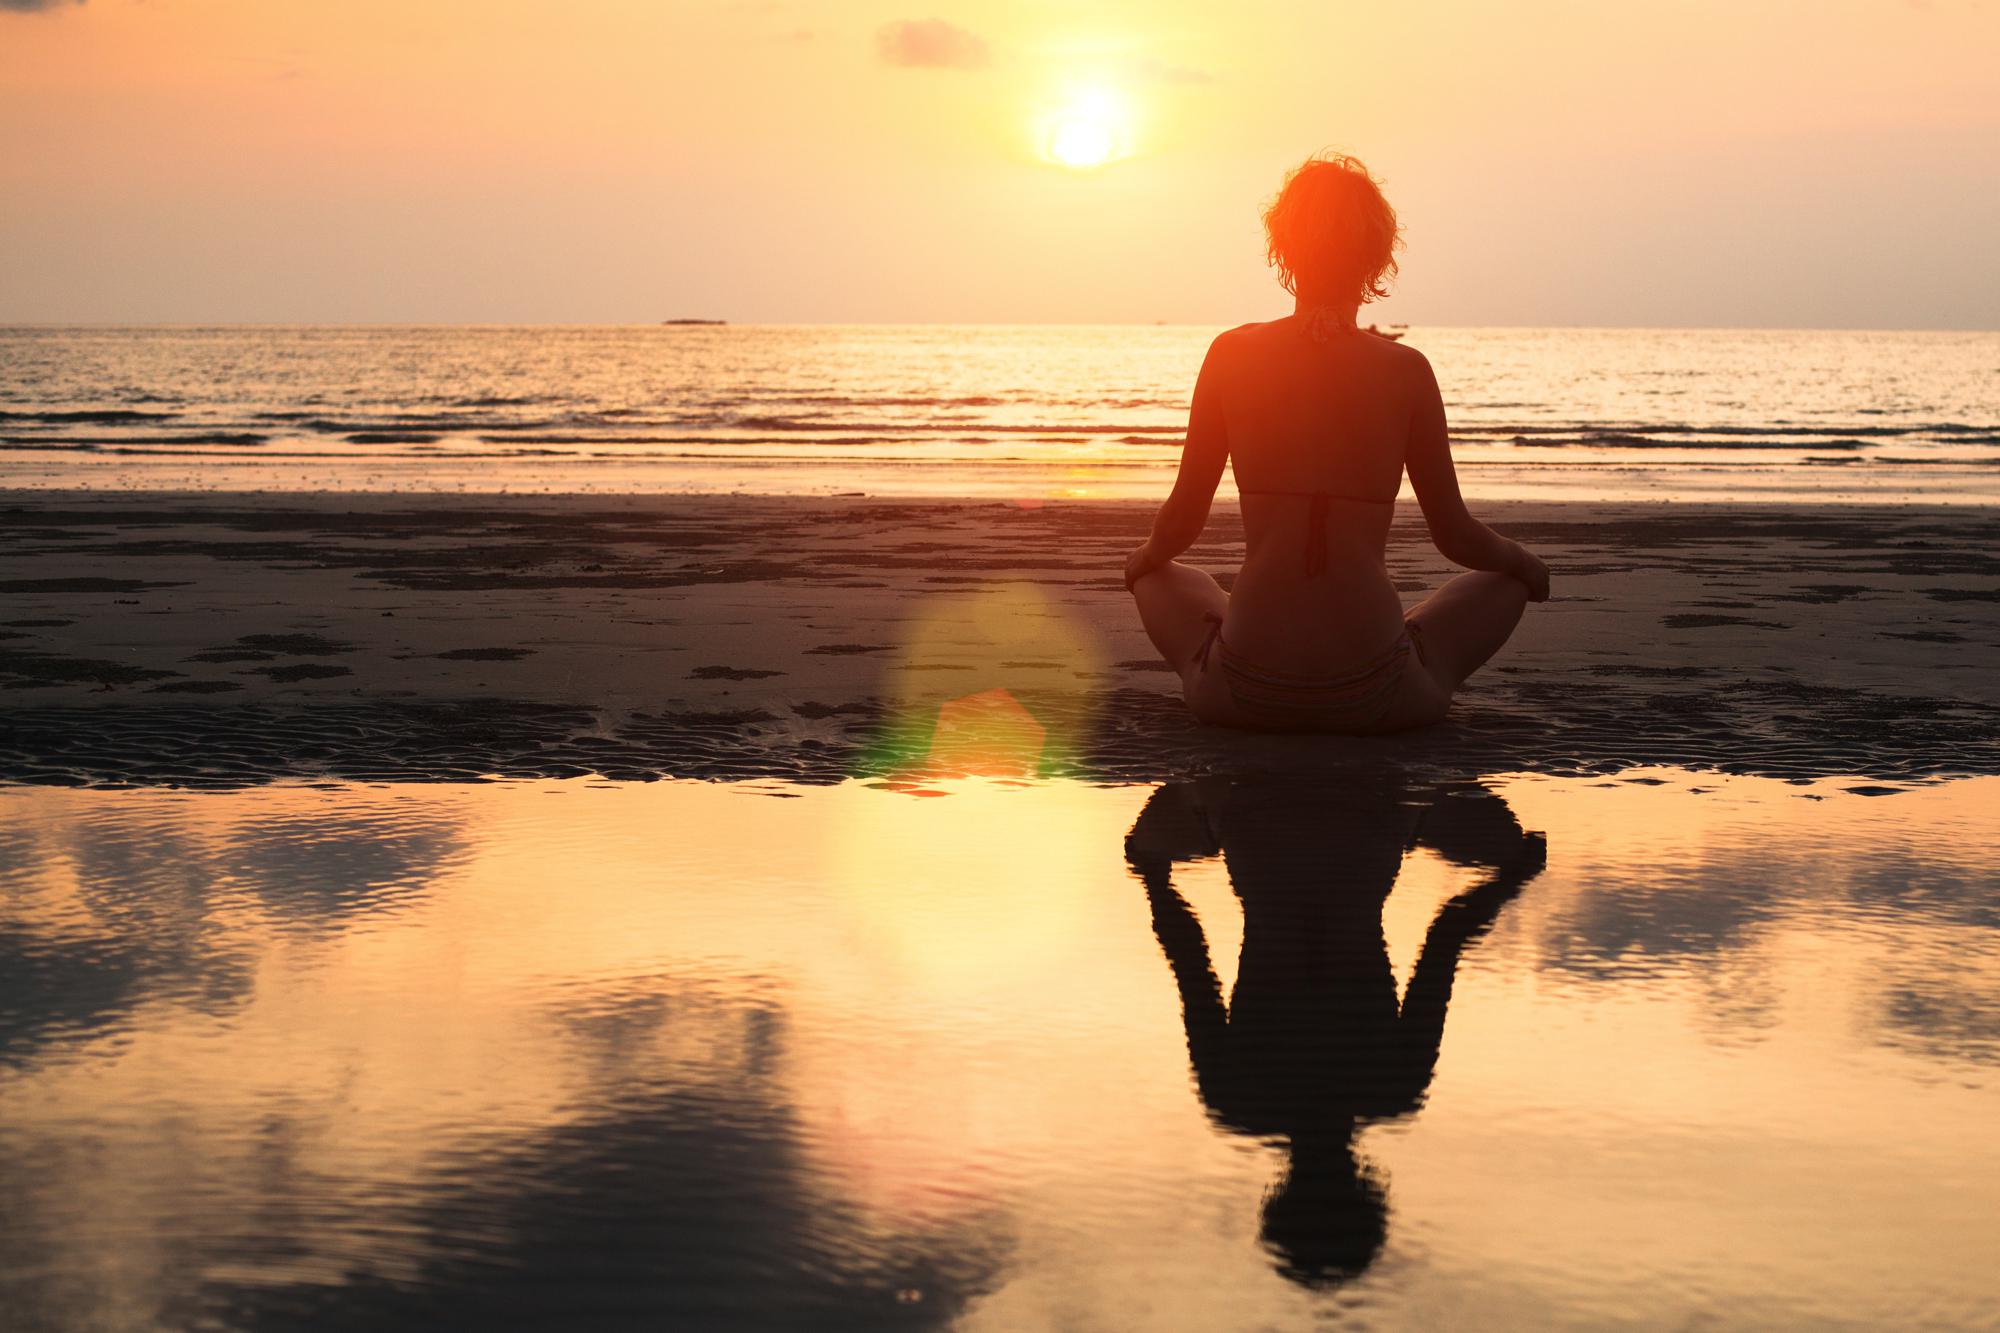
[218, 640]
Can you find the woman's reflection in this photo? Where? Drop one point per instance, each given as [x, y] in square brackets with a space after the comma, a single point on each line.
[1313, 1044]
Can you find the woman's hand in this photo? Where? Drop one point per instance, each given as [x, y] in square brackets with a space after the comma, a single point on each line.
[1530, 570]
[1141, 563]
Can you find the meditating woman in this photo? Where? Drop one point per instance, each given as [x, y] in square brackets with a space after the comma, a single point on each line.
[1320, 419]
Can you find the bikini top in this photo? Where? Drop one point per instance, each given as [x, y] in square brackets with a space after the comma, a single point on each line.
[1316, 520]
[1320, 324]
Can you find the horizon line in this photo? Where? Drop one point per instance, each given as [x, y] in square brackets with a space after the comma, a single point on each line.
[684, 326]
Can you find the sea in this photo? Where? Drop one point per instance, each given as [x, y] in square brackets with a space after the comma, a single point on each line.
[1012, 411]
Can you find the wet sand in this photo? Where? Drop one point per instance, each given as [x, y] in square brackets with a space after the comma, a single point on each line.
[232, 640]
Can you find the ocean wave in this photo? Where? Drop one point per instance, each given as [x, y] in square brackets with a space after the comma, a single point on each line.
[1623, 441]
[1952, 429]
[320, 424]
[861, 400]
[613, 423]
[89, 416]
[498, 400]
[240, 439]
[1949, 460]
[626, 426]
[931, 427]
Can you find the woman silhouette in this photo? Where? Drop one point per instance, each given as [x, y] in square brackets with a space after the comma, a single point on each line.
[1319, 420]
[1313, 1044]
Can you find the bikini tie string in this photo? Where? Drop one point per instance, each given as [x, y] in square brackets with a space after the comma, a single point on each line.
[1322, 504]
[1208, 642]
[1322, 323]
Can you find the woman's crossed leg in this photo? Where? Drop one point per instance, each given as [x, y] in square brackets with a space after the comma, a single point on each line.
[1457, 629]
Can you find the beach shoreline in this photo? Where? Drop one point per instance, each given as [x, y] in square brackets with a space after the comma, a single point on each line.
[224, 640]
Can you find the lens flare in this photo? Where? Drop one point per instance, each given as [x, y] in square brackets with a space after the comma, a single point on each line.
[995, 682]
[990, 733]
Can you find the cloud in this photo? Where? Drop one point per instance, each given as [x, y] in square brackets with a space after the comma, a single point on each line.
[931, 44]
[33, 6]
[1164, 73]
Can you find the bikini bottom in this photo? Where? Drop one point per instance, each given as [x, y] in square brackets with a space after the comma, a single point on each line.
[1354, 700]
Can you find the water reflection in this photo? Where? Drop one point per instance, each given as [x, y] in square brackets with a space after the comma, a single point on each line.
[1313, 1044]
[565, 1055]
[147, 906]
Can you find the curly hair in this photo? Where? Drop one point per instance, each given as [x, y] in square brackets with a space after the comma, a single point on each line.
[1331, 232]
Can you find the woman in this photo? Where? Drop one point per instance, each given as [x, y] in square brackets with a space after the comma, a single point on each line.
[1320, 420]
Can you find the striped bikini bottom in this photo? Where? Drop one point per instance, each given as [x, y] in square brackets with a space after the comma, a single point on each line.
[1354, 700]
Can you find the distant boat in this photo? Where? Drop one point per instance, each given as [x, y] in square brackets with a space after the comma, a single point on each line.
[694, 321]
[1394, 333]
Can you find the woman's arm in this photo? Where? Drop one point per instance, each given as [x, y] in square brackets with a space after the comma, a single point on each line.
[1411, 1060]
[1173, 826]
[1461, 538]
[1185, 513]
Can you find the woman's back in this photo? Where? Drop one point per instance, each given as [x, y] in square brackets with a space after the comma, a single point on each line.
[1316, 429]
[1320, 422]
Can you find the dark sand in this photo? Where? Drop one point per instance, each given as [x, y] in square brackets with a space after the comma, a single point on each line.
[228, 640]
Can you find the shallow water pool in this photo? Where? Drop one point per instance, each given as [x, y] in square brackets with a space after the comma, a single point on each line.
[1664, 1049]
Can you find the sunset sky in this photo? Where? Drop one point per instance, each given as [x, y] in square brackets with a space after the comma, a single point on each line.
[1711, 162]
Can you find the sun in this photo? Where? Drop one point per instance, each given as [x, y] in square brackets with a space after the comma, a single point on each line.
[1082, 141]
[1088, 131]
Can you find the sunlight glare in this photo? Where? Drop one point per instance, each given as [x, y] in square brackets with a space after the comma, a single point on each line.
[1087, 132]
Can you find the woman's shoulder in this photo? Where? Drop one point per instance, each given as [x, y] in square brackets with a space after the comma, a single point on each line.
[1414, 365]
[1247, 348]
[1232, 348]
[1243, 343]
[1396, 362]
[1261, 328]
[1247, 336]
[1240, 335]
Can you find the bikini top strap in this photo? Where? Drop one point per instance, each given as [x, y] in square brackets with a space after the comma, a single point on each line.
[1316, 521]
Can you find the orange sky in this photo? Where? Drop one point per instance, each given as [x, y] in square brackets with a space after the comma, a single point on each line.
[1778, 163]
